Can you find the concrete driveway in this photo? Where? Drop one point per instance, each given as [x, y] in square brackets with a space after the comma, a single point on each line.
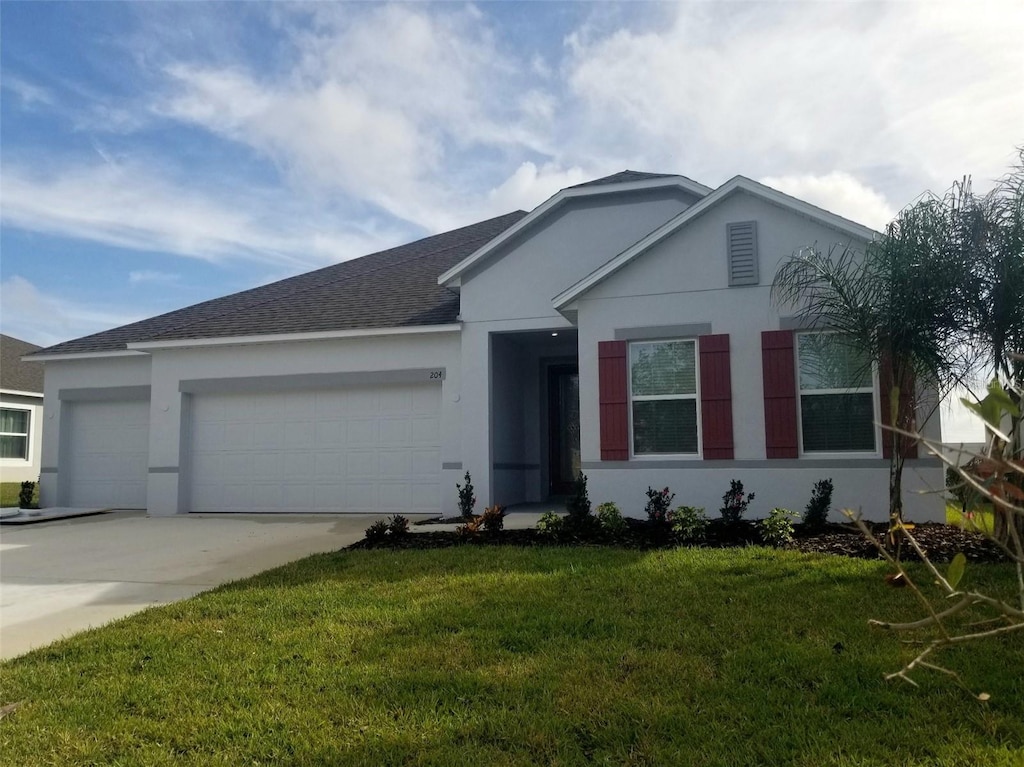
[57, 578]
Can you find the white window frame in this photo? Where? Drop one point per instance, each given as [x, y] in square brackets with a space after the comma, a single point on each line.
[27, 434]
[633, 455]
[875, 407]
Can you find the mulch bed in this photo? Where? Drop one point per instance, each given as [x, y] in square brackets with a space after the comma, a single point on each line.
[940, 542]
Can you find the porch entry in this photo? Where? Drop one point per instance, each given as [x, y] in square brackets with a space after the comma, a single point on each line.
[563, 428]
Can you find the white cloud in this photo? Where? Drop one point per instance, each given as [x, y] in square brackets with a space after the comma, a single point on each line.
[45, 319]
[144, 276]
[839, 193]
[912, 95]
[396, 107]
[29, 93]
[132, 206]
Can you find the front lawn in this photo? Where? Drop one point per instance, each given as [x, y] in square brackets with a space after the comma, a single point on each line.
[508, 656]
[9, 492]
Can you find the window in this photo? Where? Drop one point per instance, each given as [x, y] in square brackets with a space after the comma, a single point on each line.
[837, 395]
[663, 397]
[14, 433]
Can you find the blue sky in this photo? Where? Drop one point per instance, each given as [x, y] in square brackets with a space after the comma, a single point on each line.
[159, 154]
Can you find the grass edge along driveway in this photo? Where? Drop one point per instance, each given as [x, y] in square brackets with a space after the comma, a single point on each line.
[518, 656]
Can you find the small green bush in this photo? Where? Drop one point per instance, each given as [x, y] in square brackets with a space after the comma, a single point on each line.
[378, 531]
[578, 505]
[467, 497]
[735, 502]
[28, 489]
[398, 526]
[777, 528]
[689, 524]
[550, 524]
[610, 519]
[816, 513]
[658, 508]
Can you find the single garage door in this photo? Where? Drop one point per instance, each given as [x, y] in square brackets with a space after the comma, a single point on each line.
[370, 449]
[107, 456]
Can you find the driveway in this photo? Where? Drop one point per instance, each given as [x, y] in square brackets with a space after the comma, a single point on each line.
[57, 578]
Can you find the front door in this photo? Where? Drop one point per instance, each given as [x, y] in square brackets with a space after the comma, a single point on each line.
[563, 427]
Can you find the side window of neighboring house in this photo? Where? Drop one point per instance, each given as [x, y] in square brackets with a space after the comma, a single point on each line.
[14, 433]
[837, 396]
[663, 397]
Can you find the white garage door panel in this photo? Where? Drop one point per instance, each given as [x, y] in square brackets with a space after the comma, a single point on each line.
[107, 456]
[367, 449]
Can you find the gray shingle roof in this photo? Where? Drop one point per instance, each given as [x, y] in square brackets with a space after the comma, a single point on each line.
[623, 177]
[392, 288]
[15, 374]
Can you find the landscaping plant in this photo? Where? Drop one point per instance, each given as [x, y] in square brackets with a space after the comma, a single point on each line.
[550, 524]
[610, 518]
[377, 532]
[777, 528]
[398, 526]
[28, 489]
[735, 502]
[578, 505]
[493, 518]
[689, 525]
[816, 513]
[659, 507]
[467, 497]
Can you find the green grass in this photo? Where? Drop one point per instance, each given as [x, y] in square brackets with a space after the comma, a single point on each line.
[483, 656]
[9, 492]
[980, 519]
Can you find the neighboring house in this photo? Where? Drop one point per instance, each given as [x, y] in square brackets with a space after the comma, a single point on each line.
[623, 328]
[21, 412]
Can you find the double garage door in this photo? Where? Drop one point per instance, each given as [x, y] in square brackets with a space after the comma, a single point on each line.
[371, 449]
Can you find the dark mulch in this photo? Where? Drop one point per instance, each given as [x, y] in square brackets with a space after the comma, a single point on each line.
[940, 542]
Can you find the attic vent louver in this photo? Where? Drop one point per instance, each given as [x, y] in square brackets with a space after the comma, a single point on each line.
[741, 239]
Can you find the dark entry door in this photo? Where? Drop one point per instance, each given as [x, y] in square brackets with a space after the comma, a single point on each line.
[563, 427]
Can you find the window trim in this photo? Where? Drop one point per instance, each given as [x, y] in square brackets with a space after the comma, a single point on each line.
[630, 398]
[27, 434]
[875, 406]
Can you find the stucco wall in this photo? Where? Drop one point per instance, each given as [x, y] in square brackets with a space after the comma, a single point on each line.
[519, 281]
[684, 281]
[25, 470]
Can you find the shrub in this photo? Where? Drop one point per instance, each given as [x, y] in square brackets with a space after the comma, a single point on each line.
[467, 497]
[735, 502]
[689, 524]
[777, 529]
[550, 524]
[398, 526]
[493, 518]
[28, 489]
[658, 508]
[816, 513]
[377, 532]
[578, 505]
[610, 519]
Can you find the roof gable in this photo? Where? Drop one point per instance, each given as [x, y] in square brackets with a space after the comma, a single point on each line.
[391, 288]
[733, 186]
[625, 182]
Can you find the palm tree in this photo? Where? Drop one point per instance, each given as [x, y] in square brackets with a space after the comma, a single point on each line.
[898, 304]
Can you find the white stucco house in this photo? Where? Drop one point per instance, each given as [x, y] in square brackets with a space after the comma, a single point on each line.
[21, 412]
[623, 328]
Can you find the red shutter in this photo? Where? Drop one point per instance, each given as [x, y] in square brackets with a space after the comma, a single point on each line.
[611, 377]
[779, 368]
[715, 397]
[908, 446]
